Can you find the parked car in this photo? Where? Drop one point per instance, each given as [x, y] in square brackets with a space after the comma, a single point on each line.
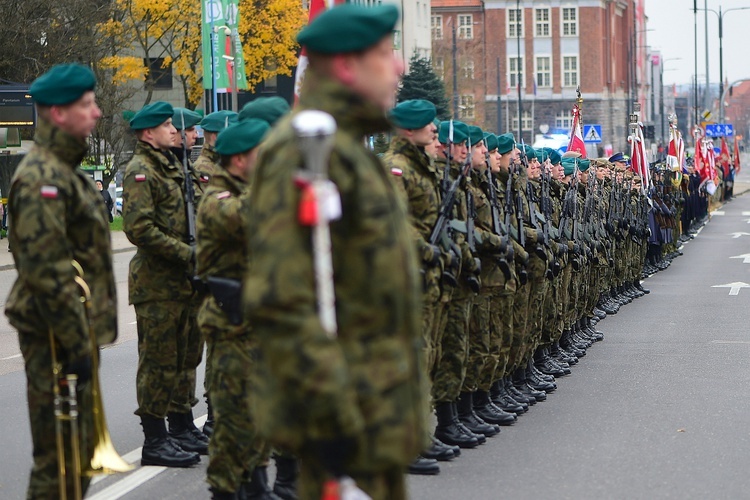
[118, 201]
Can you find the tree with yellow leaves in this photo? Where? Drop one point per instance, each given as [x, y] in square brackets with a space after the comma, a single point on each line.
[170, 30]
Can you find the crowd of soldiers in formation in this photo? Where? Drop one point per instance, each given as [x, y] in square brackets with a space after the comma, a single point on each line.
[523, 252]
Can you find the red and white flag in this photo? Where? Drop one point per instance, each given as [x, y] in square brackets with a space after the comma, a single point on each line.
[737, 166]
[676, 152]
[725, 159]
[576, 135]
[316, 7]
[638, 157]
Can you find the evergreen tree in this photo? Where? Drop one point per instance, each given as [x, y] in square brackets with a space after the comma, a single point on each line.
[423, 83]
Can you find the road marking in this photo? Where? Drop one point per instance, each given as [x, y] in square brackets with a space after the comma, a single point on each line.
[738, 235]
[745, 213]
[717, 212]
[730, 341]
[734, 288]
[10, 357]
[745, 256]
[134, 479]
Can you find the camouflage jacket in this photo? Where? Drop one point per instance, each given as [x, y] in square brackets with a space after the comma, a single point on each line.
[221, 248]
[57, 216]
[368, 382]
[208, 161]
[490, 242]
[154, 220]
[419, 182]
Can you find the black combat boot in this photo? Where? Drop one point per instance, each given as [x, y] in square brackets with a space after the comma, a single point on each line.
[422, 466]
[287, 470]
[521, 383]
[594, 334]
[518, 389]
[448, 431]
[183, 430]
[223, 495]
[487, 411]
[466, 415]
[562, 356]
[208, 426]
[439, 451]
[639, 286]
[545, 364]
[534, 380]
[568, 344]
[258, 487]
[158, 449]
[500, 398]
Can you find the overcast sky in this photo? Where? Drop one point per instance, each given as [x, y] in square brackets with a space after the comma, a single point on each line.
[672, 22]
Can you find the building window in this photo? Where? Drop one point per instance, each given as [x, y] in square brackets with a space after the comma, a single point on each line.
[541, 22]
[544, 71]
[437, 27]
[514, 64]
[465, 26]
[438, 64]
[466, 109]
[159, 76]
[564, 120]
[525, 121]
[569, 21]
[468, 68]
[515, 23]
[570, 71]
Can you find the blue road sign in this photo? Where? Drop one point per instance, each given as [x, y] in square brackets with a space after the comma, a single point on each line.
[592, 133]
[720, 130]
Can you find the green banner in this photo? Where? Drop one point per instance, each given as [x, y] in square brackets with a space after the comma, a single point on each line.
[220, 21]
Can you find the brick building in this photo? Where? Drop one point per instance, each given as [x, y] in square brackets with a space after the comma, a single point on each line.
[555, 45]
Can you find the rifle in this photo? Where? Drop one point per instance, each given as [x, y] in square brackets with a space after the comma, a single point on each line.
[188, 188]
[505, 246]
[471, 213]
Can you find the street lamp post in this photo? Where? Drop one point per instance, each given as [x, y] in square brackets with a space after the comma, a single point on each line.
[232, 58]
[518, 68]
[455, 72]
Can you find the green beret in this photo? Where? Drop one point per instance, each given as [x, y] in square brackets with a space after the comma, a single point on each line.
[348, 28]
[460, 132]
[218, 120]
[554, 155]
[183, 118]
[241, 137]
[269, 109]
[541, 154]
[505, 143]
[152, 115]
[413, 114]
[62, 84]
[491, 140]
[436, 122]
[475, 135]
[529, 152]
[583, 164]
[569, 165]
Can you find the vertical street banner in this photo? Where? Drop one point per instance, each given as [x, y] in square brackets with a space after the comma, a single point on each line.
[218, 49]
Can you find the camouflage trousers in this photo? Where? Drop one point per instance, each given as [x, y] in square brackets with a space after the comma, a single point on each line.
[450, 369]
[235, 448]
[429, 333]
[535, 306]
[478, 340]
[44, 483]
[520, 316]
[501, 336]
[162, 346]
[388, 484]
[184, 395]
[552, 314]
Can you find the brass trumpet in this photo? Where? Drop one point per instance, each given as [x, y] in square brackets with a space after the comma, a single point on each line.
[105, 459]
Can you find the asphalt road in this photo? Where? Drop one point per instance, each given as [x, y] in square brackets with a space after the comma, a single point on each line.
[655, 411]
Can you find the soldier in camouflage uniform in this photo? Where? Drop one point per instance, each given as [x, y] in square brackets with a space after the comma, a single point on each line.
[354, 405]
[58, 217]
[183, 399]
[155, 220]
[236, 452]
[268, 109]
[208, 164]
[417, 177]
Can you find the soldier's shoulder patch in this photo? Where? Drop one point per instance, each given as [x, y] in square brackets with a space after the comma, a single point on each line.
[49, 192]
[397, 171]
[223, 195]
[140, 177]
[205, 178]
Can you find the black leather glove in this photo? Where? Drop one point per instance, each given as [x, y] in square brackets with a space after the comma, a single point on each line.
[80, 367]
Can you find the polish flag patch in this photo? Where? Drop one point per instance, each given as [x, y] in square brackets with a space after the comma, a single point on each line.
[223, 195]
[397, 172]
[205, 178]
[140, 177]
[49, 192]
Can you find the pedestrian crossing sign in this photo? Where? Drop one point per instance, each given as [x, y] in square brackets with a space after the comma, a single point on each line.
[592, 133]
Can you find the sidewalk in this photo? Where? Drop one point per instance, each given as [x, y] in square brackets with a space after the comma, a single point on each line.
[120, 244]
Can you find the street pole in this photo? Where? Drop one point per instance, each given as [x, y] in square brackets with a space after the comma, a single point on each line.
[707, 96]
[455, 73]
[499, 104]
[664, 139]
[235, 97]
[653, 93]
[518, 69]
[721, 65]
[695, 82]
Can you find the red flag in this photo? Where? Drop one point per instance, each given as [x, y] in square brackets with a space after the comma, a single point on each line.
[676, 151]
[736, 156]
[724, 160]
[316, 7]
[576, 136]
[638, 157]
